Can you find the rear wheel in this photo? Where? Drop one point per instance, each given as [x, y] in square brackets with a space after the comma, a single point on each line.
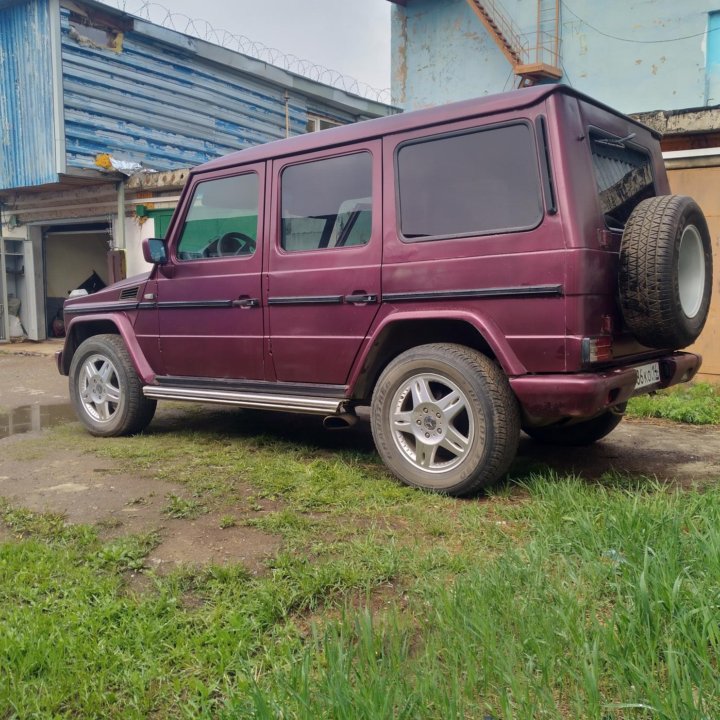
[580, 433]
[445, 419]
[105, 389]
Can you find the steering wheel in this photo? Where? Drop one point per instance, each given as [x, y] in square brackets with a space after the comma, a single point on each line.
[235, 243]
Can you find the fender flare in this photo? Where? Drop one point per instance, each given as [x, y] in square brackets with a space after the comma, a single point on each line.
[484, 326]
[124, 329]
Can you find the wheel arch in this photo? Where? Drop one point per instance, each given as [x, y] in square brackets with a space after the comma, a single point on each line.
[80, 329]
[444, 418]
[398, 333]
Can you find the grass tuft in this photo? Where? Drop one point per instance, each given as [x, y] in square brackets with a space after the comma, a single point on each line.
[128, 552]
[183, 508]
[696, 404]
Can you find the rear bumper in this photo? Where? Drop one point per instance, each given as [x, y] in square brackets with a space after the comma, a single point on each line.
[553, 397]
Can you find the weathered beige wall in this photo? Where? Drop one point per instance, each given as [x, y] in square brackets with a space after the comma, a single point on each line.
[703, 184]
[69, 260]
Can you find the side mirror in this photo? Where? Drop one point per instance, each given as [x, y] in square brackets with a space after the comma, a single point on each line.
[155, 251]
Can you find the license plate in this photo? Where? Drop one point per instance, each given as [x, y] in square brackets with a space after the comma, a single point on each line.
[647, 375]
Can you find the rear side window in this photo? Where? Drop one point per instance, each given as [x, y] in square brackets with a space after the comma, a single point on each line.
[623, 175]
[469, 184]
[327, 203]
[222, 220]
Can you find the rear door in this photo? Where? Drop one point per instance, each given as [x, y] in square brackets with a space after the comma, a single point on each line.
[209, 295]
[325, 251]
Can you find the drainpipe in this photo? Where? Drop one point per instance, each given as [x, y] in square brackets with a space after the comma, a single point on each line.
[287, 114]
[120, 228]
[116, 256]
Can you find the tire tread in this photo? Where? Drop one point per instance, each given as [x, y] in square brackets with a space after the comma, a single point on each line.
[505, 411]
[138, 411]
[647, 280]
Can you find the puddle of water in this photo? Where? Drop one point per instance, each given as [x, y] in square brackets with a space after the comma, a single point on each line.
[32, 418]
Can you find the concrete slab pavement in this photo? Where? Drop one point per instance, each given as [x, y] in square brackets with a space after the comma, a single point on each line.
[31, 347]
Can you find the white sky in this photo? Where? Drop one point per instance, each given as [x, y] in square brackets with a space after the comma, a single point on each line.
[349, 36]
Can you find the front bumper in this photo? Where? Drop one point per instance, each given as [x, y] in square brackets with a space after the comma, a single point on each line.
[554, 397]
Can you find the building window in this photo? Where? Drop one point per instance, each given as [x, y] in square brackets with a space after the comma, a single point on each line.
[316, 122]
[474, 183]
[222, 220]
[712, 62]
[97, 31]
[327, 203]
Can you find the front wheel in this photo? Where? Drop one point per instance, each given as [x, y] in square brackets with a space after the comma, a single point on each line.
[445, 419]
[105, 389]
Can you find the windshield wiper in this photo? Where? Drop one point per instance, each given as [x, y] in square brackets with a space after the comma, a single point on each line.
[617, 142]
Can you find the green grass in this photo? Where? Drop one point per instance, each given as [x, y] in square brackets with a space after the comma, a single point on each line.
[227, 521]
[697, 404]
[183, 508]
[552, 597]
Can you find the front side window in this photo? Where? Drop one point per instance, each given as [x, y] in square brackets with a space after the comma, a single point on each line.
[327, 203]
[469, 184]
[222, 220]
[623, 176]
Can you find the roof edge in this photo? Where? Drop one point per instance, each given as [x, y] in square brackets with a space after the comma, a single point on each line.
[357, 132]
[682, 122]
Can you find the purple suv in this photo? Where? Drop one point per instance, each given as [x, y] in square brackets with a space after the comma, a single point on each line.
[512, 262]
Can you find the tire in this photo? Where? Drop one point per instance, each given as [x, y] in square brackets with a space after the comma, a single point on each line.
[105, 390]
[444, 419]
[577, 434]
[665, 276]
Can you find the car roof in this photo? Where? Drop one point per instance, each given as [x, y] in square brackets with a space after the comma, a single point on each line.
[378, 127]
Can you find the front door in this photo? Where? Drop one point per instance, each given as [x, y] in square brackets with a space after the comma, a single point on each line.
[209, 294]
[323, 287]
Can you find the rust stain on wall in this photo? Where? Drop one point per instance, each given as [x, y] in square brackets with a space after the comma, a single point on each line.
[400, 69]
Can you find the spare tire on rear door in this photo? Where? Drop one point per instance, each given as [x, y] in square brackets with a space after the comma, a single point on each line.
[665, 279]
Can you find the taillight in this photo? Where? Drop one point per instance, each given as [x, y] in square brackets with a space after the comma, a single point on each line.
[597, 349]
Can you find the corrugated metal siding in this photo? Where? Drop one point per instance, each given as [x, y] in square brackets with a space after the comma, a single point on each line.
[163, 107]
[26, 101]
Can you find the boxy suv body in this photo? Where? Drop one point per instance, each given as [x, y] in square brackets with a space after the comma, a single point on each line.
[509, 262]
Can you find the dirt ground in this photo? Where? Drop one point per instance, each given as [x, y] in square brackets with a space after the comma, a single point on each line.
[88, 489]
[92, 490]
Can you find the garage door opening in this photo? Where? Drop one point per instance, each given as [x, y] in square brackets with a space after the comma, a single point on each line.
[76, 256]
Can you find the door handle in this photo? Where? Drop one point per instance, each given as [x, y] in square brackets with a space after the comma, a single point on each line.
[245, 303]
[361, 299]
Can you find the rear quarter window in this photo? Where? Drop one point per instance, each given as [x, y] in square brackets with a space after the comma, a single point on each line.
[623, 174]
[471, 183]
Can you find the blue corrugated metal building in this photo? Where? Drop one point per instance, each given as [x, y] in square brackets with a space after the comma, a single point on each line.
[84, 79]
[80, 79]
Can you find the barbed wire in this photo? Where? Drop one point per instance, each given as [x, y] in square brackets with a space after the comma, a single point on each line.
[201, 29]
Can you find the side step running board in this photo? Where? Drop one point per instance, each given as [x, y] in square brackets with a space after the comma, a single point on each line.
[285, 403]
